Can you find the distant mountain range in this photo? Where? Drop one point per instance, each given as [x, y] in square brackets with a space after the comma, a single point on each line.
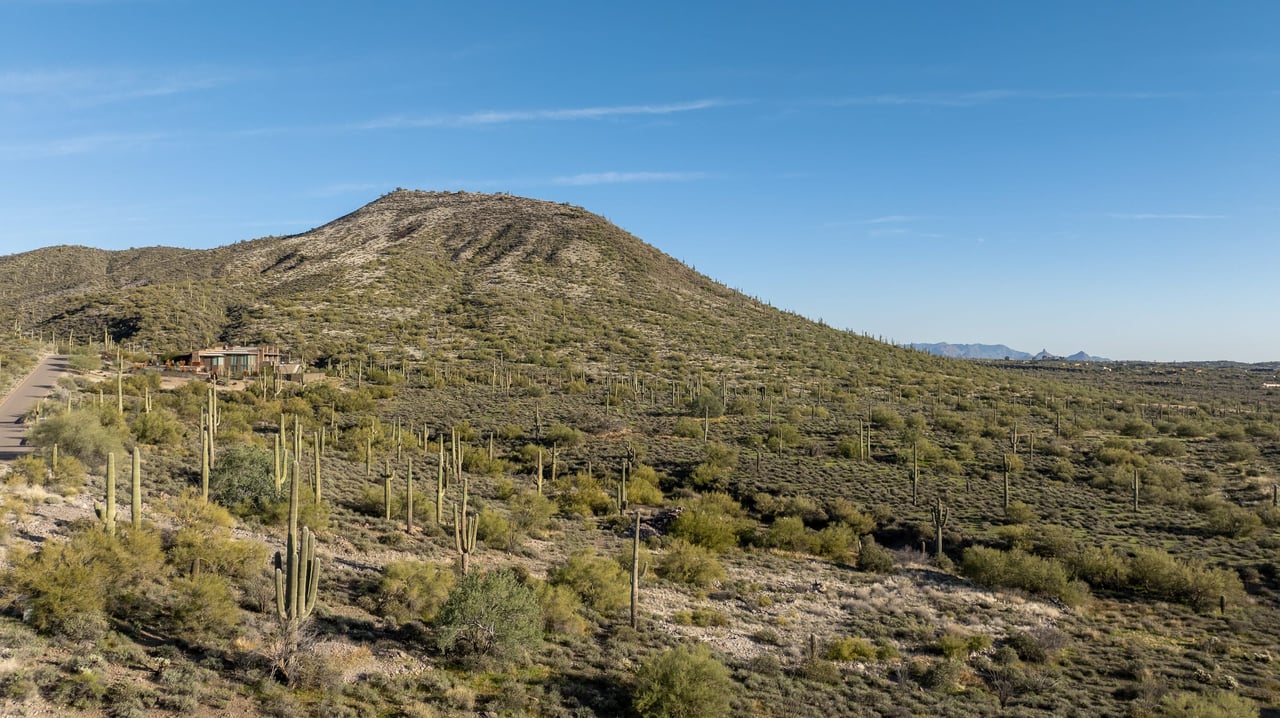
[997, 351]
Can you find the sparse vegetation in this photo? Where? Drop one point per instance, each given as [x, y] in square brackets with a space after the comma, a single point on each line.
[768, 458]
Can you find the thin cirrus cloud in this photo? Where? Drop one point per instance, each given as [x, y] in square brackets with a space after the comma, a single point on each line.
[83, 144]
[599, 178]
[498, 117]
[101, 86]
[889, 219]
[985, 97]
[1164, 216]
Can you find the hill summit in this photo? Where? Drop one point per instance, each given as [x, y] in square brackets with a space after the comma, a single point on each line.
[453, 269]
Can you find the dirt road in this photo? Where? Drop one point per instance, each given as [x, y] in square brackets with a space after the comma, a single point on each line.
[19, 401]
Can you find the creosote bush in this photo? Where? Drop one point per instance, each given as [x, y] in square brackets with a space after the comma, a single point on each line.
[690, 564]
[409, 591]
[597, 580]
[682, 683]
[1017, 569]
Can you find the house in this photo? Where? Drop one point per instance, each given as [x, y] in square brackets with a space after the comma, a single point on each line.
[234, 361]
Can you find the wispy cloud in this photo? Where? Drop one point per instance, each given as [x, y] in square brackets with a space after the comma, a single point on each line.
[83, 144]
[1168, 216]
[985, 97]
[885, 219]
[594, 178]
[497, 117]
[100, 86]
[890, 219]
[903, 232]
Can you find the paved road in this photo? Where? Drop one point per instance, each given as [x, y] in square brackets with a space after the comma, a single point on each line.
[24, 396]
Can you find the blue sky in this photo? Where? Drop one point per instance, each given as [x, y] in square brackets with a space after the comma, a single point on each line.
[1078, 175]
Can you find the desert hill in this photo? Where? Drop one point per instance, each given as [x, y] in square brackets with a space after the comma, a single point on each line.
[882, 531]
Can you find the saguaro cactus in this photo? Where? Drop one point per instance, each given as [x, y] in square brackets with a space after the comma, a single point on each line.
[464, 531]
[206, 451]
[635, 571]
[298, 572]
[1006, 483]
[539, 470]
[387, 479]
[316, 447]
[107, 510]
[135, 504]
[440, 485]
[408, 501]
[940, 513]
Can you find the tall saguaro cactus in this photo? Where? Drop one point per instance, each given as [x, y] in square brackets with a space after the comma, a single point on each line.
[298, 572]
[440, 485]
[387, 478]
[135, 504]
[940, 513]
[1006, 483]
[107, 509]
[464, 531]
[635, 571]
[316, 447]
[206, 449]
[408, 500]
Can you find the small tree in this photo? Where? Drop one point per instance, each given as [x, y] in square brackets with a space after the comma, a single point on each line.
[683, 683]
[490, 615]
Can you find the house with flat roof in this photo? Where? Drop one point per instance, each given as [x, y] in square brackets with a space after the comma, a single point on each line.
[234, 362]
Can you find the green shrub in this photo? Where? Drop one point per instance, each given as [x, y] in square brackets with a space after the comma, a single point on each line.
[205, 548]
[642, 487]
[690, 564]
[1019, 513]
[157, 428]
[411, 590]
[688, 427]
[561, 610]
[789, 534]
[496, 531]
[874, 558]
[1171, 448]
[1017, 569]
[850, 648]
[564, 435]
[844, 511]
[819, 670]
[1225, 519]
[705, 404]
[87, 434]
[597, 580]
[1184, 581]
[682, 683]
[490, 614]
[583, 495]
[203, 607]
[69, 586]
[1237, 451]
[712, 521]
[714, 471]
[1101, 567]
[242, 479]
[531, 512]
[834, 542]
[1214, 704]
